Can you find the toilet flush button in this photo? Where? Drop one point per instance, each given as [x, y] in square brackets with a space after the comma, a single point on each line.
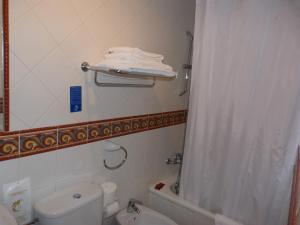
[77, 196]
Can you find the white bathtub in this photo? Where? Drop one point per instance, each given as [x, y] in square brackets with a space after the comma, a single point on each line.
[178, 209]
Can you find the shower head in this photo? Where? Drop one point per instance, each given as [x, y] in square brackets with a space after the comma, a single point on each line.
[190, 35]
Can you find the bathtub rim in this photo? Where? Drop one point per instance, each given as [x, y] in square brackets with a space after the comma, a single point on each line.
[166, 193]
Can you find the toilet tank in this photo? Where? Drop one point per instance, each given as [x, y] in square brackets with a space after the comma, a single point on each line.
[78, 205]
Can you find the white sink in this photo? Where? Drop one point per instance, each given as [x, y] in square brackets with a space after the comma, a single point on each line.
[5, 217]
[146, 216]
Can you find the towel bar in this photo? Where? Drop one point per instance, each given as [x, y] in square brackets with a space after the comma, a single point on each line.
[102, 84]
[86, 67]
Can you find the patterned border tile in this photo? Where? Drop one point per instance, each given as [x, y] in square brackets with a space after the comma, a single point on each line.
[155, 120]
[72, 136]
[179, 117]
[168, 119]
[99, 131]
[121, 127]
[9, 147]
[39, 140]
[36, 142]
[140, 123]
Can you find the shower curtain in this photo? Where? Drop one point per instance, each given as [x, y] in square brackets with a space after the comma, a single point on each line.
[244, 115]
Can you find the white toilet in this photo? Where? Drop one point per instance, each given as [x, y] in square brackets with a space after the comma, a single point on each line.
[83, 205]
[79, 205]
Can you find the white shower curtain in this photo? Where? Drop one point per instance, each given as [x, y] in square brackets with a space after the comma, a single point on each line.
[244, 114]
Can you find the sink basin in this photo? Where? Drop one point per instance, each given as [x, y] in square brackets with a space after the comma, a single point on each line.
[145, 217]
[5, 217]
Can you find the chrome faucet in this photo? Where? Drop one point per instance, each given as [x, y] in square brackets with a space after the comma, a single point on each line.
[176, 159]
[132, 208]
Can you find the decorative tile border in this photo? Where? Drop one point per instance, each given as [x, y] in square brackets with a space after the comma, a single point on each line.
[72, 136]
[40, 140]
[121, 127]
[155, 121]
[99, 131]
[9, 146]
[140, 123]
[37, 142]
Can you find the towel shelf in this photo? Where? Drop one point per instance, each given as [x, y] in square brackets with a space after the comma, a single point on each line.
[102, 84]
[85, 67]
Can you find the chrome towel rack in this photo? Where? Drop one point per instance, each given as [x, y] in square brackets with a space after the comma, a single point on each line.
[85, 67]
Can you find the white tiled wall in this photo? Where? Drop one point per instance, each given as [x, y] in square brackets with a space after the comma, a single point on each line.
[49, 40]
[147, 152]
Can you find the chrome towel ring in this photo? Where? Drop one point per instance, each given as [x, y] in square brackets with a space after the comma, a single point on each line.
[113, 148]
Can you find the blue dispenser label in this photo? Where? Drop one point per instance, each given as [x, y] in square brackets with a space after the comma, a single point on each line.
[75, 99]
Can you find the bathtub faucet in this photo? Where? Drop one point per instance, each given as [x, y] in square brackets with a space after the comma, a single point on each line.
[176, 159]
[132, 208]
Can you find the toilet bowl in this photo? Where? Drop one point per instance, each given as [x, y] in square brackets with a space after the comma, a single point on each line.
[79, 205]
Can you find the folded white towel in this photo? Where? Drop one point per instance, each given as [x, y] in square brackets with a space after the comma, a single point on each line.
[126, 56]
[223, 220]
[134, 60]
[135, 52]
[138, 63]
[136, 69]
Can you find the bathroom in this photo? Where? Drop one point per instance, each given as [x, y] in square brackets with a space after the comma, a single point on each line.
[213, 141]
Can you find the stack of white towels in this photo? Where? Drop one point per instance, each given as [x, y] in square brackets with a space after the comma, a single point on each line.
[135, 60]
